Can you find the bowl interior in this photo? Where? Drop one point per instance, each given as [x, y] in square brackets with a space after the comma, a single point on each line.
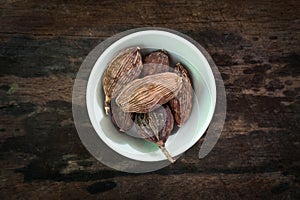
[179, 49]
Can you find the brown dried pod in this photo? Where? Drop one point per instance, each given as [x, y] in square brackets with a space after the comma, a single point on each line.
[156, 62]
[124, 68]
[122, 120]
[145, 94]
[181, 105]
[156, 126]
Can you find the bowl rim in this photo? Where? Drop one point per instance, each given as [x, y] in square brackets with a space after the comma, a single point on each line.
[212, 90]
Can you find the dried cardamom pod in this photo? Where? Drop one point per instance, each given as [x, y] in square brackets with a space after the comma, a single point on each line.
[156, 127]
[125, 67]
[122, 120]
[181, 105]
[156, 62]
[145, 94]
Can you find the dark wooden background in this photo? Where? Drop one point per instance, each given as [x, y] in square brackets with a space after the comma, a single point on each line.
[256, 47]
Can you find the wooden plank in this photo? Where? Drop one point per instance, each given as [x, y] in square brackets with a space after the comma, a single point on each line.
[256, 47]
[106, 17]
[221, 186]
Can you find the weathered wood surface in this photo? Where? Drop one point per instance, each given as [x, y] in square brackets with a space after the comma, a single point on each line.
[256, 47]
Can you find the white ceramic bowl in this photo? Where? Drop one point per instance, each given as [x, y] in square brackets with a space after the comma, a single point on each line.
[204, 100]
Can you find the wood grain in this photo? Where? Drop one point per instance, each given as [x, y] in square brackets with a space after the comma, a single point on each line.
[256, 47]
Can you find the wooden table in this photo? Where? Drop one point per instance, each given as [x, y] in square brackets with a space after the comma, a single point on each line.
[256, 47]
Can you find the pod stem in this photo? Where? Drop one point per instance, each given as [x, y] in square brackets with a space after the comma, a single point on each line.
[167, 154]
[107, 105]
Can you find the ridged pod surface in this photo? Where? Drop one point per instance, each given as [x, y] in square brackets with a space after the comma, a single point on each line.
[122, 120]
[145, 94]
[156, 62]
[156, 126]
[181, 105]
[124, 68]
